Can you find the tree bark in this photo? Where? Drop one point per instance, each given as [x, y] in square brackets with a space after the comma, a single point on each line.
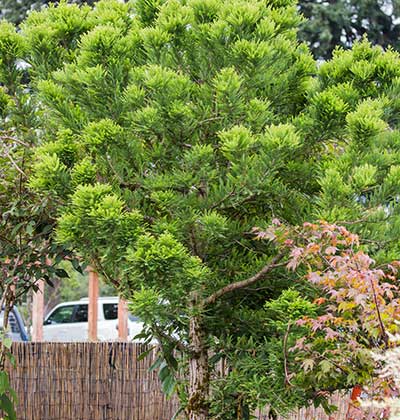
[199, 371]
[199, 374]
[6, 304]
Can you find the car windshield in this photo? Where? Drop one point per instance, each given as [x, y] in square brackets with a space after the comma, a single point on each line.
[61, 315]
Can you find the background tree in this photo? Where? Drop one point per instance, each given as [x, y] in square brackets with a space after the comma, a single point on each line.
[340, 23]
[15, 11]
[328, 25]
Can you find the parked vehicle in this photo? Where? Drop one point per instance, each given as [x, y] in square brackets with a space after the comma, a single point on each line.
[68, 321]
[17, 330]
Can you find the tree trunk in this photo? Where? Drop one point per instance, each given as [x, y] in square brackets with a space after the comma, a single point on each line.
[199, 374]
[6, 304]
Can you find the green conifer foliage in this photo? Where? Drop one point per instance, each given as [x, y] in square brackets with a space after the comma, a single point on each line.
[353, 115]
[168, 138]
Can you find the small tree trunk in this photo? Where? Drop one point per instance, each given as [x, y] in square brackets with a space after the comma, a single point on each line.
[199, 374]
[6, 304]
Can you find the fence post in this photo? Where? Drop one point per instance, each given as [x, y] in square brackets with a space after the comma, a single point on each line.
[93, 299]
[38, 312]
[123, 320]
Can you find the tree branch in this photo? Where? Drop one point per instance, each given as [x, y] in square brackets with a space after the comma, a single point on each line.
[14, 163]
[14, 139]
[219, 202]
[245, 283]
[97, 265]
[378, 312]
[178, 344]
[285, 355]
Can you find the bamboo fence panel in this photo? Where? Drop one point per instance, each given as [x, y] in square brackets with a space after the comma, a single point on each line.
[101, 381]
[87, 381]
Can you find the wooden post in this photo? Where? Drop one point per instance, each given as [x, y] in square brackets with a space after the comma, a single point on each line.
[38, 312]
[122, 320]
[93, 298]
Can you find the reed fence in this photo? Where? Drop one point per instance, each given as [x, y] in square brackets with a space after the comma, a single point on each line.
[99, 381]
[87, 381]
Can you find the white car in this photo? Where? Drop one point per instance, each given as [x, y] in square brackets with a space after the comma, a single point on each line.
[68, 321]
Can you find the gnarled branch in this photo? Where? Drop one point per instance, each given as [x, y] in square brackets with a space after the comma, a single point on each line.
[245, 283]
